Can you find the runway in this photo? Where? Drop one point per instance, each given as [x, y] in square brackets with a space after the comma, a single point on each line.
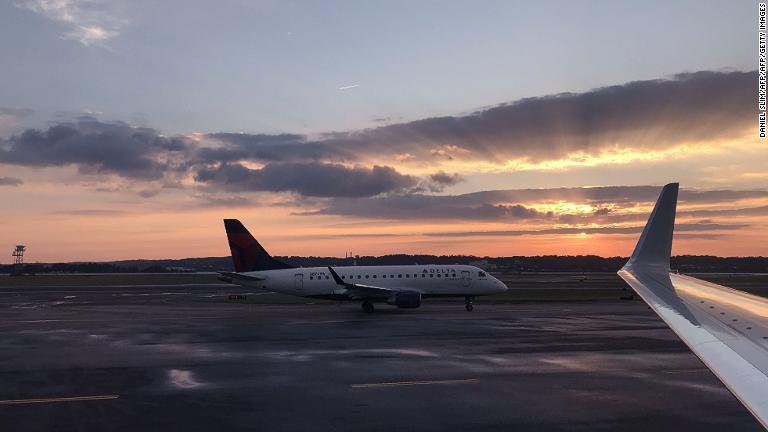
[185, 358]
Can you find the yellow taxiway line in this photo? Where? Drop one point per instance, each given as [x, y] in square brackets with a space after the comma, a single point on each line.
[60, 399]
[412, 383]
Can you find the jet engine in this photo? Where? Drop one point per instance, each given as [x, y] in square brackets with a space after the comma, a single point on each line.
[405, 299]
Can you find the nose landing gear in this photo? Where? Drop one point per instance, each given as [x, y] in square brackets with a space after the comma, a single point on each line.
[468, 303]
[367, 307]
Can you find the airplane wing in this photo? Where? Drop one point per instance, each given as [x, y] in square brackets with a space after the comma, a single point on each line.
[362, 291]
[725, 328]
[229, 277]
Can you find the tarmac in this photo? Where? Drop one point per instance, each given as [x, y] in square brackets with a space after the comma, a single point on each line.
[129, 358]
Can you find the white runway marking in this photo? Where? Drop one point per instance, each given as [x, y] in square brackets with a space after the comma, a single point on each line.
[413, 383]
[61, 399]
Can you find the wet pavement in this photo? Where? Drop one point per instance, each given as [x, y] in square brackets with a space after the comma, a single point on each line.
[186, 358]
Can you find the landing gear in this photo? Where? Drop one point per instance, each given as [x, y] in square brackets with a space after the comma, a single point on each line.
[468, 303]
[367, 307]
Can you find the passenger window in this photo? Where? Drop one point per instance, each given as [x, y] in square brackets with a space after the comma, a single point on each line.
[366, 276]
[374, 276]
[438, 275]
[343, 277]
[431, 275]
[384, 276]
[481, 274]
[327, 277]
[310, 278]
[415, 275]
[407, 276]
[392, 276]
[358, 276]
[423, 275]
[399, 275]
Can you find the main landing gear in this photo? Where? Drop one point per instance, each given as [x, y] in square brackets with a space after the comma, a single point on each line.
[367, 307]
[468, 303]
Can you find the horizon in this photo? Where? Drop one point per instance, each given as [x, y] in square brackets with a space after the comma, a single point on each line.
[383, 256]
[435, 128]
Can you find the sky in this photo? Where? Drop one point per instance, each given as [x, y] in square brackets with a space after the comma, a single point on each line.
[129, 129]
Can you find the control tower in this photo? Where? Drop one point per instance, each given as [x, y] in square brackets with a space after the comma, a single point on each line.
[18, 260]
[18, 255]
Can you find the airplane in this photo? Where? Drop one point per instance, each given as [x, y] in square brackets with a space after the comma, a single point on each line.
[401, 286]
[725, 328]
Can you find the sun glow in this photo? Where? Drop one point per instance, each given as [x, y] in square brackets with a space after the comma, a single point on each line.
[562, 207]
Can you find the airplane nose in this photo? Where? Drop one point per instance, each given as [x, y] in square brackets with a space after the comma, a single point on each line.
[502, 286]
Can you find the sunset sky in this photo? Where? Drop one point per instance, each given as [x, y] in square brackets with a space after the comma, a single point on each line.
[129, 129]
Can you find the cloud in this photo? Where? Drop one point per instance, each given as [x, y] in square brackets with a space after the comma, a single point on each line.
[641, 115]
[436, 182]
[514, 204]
[309, 179]
[445, 179]
[89, 22]
[97, 147]
[232, 147]
[427, 207]
[586, 230]
[746, 211]
[10, 181]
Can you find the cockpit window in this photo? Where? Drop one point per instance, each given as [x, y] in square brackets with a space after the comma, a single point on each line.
[481, 273]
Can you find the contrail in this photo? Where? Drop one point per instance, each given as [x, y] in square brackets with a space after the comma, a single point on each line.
[349, 87]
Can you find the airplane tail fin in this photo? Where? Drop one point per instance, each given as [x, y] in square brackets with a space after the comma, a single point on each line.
[655, 245]
[247, 253]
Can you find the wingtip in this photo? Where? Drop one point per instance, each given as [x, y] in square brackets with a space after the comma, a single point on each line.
[335, 276]
[655, 244]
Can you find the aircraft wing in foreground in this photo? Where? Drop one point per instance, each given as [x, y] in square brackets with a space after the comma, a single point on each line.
[725, 328]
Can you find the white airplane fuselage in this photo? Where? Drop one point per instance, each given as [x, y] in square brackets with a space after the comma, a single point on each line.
[429, 280]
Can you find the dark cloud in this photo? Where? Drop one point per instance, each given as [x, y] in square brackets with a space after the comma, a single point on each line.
[269, 148]
[640, 114]
[10, 181]
[310, 179]
[95, 147]
[422, 207]
[623, 195]
[746, 211]
[445, 179]
[494, 205]
[587, 230]
[437, 182]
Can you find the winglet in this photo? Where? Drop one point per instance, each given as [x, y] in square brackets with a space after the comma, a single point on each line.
[655, 245]
[336, 277]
